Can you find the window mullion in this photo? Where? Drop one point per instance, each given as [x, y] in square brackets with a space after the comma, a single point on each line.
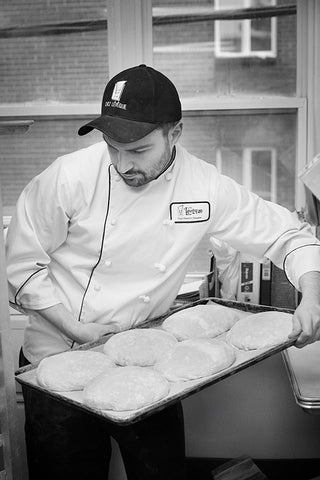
[247, 168]
[273, 187]
[129, 33]
[246, 37]
[308, 69]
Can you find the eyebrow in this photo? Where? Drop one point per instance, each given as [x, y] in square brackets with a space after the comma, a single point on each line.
[147, 145]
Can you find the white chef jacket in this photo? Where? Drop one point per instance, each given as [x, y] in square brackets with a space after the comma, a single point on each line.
[117, 255]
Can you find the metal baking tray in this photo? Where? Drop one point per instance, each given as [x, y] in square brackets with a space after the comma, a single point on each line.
[304, 374]
[179, 390]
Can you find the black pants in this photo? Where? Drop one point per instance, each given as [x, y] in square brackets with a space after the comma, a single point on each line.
[66, 443]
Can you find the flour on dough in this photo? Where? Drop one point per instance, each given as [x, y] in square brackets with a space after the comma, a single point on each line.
[192, 359]
[201, 321]
[125, 388]
[261, 330]
[71, 370]
[141, 346]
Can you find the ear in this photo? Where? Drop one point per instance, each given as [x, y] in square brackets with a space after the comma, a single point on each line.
[175, 134]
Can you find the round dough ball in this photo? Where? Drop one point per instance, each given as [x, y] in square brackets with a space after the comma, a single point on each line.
[201, 321]
[125, 388]
[192, 359]
[261, 330]
[71, 370]
[141, 347]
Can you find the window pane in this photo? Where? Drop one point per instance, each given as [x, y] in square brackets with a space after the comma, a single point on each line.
[230, 32]
[263, 143]
[205, 55]
[230, 36]
[41, 62]
[261, 172]
[230, 162]
[235, 138]
[260, 31]
[183, 49]
[24, 156]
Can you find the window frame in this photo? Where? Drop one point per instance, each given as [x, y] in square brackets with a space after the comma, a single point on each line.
[246, 31]
[246, 167]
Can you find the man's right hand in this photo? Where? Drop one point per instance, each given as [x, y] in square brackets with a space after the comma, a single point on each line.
[62, 319]
[89, 332]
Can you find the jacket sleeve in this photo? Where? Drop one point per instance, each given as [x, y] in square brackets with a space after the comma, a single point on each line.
[264, 229]
[38, 226]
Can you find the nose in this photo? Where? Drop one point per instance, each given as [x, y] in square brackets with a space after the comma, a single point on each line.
[124, 163]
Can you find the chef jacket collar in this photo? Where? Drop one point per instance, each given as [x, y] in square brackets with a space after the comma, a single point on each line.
[168, 165]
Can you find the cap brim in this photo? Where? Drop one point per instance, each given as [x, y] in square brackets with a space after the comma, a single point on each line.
[119, 129]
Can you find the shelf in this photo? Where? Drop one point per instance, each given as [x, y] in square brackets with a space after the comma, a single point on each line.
[15, 126]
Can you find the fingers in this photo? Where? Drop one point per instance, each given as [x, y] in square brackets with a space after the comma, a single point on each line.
[296, 327]
[306, 325]
[302, 341]
[317, 334]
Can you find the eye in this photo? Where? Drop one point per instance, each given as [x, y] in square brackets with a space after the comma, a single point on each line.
[141, 150]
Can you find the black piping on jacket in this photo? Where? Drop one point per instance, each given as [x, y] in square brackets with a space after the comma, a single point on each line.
[297, 248]
[101, 248]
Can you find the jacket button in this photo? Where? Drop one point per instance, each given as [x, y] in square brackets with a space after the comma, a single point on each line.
[114, 222]
[144, 298]
[108, 263]
[168, 176]
[160, 267]
[97, 287]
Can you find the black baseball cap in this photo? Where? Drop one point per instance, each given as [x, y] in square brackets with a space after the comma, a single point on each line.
[134, 103]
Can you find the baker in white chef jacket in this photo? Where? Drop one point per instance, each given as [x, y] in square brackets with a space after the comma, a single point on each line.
[101, 240]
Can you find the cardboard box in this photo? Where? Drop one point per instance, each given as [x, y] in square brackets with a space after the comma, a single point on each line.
[249, 282]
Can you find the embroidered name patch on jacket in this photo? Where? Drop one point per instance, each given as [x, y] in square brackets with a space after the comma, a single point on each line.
[189, 212]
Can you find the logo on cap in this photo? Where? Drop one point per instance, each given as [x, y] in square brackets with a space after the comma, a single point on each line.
[117, 90]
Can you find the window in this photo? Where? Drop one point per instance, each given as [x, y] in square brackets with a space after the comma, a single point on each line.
[187, 47]
[53, 52]
[240, 147]
[260, 172]
[55, 58]
[244, 92]
[255, 37]
[235, 65]
[255, 168]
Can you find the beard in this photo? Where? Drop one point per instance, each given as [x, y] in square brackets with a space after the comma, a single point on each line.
[138, 178]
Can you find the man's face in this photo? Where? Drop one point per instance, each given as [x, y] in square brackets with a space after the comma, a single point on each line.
[142, 161]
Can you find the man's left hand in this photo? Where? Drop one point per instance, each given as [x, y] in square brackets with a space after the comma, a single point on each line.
[306, 323]
[306, 319]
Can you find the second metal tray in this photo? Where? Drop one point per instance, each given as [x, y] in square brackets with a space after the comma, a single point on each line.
[304, 374]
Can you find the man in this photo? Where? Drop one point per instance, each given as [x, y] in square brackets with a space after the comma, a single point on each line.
[101, 241]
